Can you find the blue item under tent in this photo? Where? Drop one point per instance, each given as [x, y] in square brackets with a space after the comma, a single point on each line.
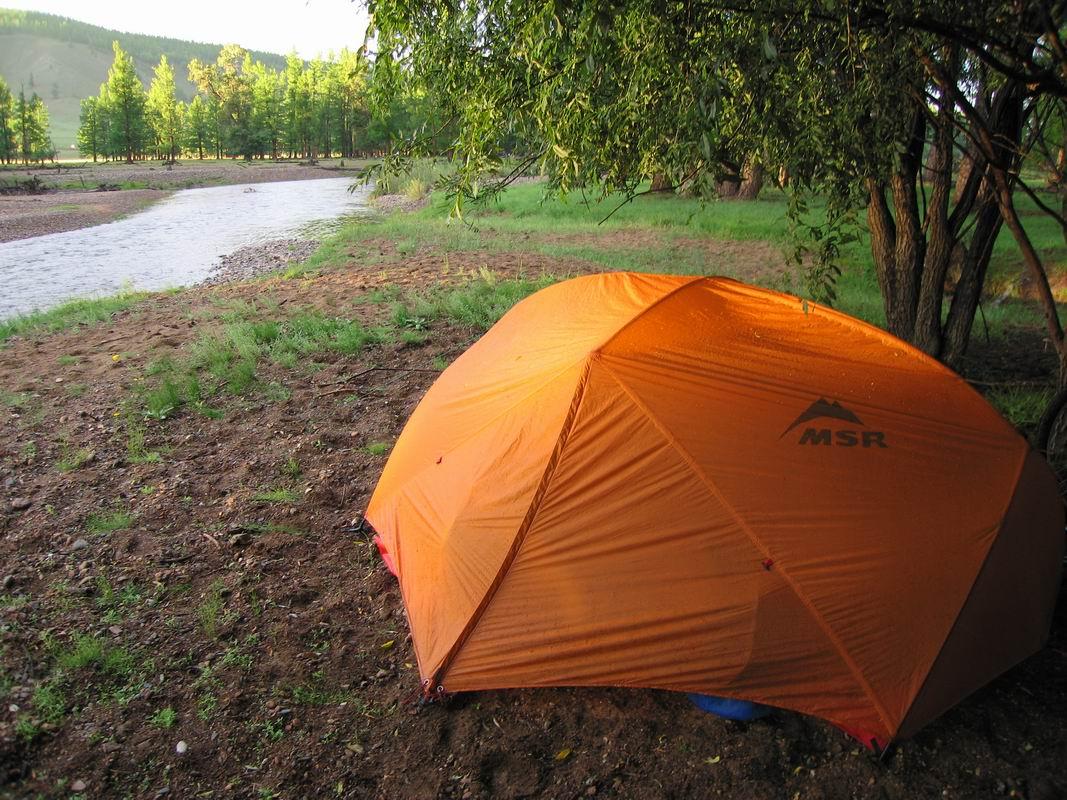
[739, 710]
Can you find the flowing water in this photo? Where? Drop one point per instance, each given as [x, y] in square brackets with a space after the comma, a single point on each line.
[176, 242]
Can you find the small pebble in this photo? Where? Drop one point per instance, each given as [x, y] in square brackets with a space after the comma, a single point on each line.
[79, 544]
[181, 748]
[78, 786]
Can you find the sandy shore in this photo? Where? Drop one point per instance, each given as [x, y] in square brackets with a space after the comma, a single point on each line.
[23, 216]
[73, 200]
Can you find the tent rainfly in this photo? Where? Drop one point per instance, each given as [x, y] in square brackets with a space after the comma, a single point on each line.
[692, 484]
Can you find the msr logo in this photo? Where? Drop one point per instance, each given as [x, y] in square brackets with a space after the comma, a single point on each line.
[841, 437]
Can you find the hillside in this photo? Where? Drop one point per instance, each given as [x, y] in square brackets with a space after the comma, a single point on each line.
[64, 60]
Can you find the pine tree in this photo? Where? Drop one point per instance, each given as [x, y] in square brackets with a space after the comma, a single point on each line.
[103, 120]
[165, 112]
[129, 127]
[42, 130]
[198, 125]
[28, 135]
[7, 124]
[90, 142]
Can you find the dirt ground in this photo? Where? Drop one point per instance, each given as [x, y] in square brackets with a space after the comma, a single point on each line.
[278, 639]
[72, 201]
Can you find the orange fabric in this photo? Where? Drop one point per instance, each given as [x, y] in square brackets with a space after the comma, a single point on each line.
[693, 484]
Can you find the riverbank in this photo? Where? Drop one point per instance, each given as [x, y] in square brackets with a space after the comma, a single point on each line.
[188, 601]
[78, 195]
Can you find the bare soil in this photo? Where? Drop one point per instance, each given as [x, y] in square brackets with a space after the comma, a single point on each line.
[302, 685]
[72, 199]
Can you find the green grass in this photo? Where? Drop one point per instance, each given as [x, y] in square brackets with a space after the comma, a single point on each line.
[280, 495]
[378, 448]
[137, 451]
[67, 361]
[522, 221]
[164, 718]
[209, 613]
[70, 460]
[118, 518]
[414, 182]
[50, 702]
[69, 315]
[478, 304]
[229, 360]
[1021, 406]
[291, 468]
[17, 401]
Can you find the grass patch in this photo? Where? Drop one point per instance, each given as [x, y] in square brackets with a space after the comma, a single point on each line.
[209, 614]
[291, 468]
[76, 389]
[72, 459]
[164, 718]
[1021, 406]
[137, 451]
[378, 448]
[316, 692]
[69, 315]
[17, 401]
[228, 361]
[416, 181]
[280, 495]
[50, 702]
[479, 304]
[67, 361]
[118, 518]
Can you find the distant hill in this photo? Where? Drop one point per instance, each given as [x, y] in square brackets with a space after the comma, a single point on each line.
[64, 60]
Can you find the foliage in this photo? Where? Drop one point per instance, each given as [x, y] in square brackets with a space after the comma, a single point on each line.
[7, 124]
[166, 115]
[29, 128]
[838, 100]
[123, 102]
[91, 139]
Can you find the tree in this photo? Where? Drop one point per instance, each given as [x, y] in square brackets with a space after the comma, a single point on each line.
[7, 131]
[227, 82]
[90, 130]
[268, 110]
[129, 128]
[165, 113]
[842, 97]
[199, 125]
[32, 141]
[43, 147]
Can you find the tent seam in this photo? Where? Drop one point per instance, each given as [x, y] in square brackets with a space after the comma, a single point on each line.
[857, 674]
[563, 371]
[524, 527]
[649, 307]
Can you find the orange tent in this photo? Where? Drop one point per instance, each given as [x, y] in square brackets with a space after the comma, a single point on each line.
[693, 484]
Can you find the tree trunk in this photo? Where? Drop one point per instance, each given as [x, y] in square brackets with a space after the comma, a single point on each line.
[941, 238]
[661, 183]
[752, 181]
[968, 293]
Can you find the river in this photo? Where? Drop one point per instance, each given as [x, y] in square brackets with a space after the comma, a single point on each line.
[175, 242]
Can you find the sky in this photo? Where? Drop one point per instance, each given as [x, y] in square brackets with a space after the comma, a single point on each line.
[313, 27]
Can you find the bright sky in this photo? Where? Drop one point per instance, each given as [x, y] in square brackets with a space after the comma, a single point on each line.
[313, 27]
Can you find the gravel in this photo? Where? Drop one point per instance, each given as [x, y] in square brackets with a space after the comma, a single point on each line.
[260, 259]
